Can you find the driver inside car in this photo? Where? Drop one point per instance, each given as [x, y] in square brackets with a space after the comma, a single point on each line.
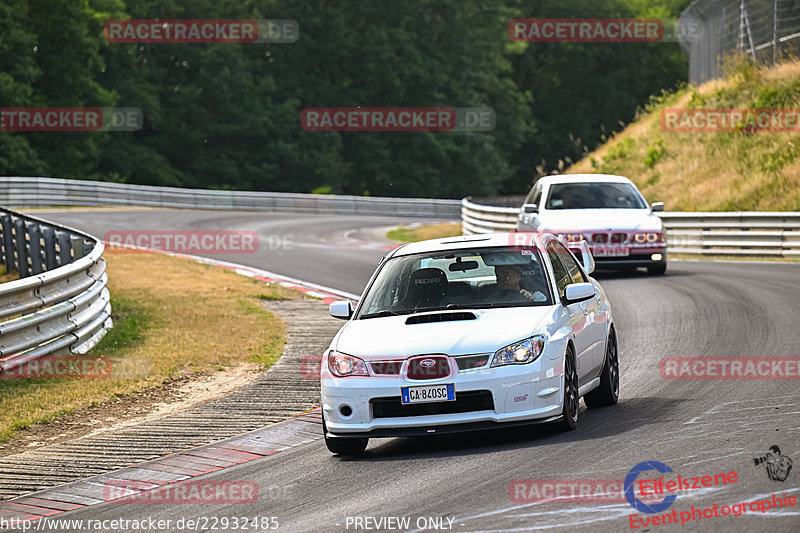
[509, 290]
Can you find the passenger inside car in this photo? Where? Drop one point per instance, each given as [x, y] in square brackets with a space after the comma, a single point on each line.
[509, 288]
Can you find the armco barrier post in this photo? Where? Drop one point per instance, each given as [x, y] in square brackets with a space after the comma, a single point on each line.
[8, 243]
[77, 247]
[64, 248]
[35, 243]
[49, 236]
[22, 248]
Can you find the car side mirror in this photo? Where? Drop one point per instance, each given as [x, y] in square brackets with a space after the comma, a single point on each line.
[341, 309]
[578, 292]
[657, 206]
[530, 208]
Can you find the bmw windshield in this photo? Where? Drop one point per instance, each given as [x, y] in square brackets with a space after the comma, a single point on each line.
[594, 196]
[462, 279]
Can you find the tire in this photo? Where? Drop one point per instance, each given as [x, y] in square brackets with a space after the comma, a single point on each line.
[343, 446]
[658, 269]
[569, 412]
[608, 391]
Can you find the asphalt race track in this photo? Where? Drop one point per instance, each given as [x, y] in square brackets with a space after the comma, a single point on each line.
[464, 482]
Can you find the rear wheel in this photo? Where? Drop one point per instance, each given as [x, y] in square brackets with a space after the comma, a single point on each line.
[658, 269]
[343, 446]
[608, 391]
[569, 413]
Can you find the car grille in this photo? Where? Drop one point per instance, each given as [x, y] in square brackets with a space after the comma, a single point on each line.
[610, 238]
[471, 362]
[465, 402]
[386, 368]
[439, 369]
[618, 238]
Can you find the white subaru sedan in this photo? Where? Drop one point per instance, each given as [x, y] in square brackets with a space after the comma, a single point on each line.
[607, 211]
[469, 333]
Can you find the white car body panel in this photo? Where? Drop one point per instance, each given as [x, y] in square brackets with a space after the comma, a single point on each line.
[599, 219]
[520, 392]
[591, 222]
[463, 337]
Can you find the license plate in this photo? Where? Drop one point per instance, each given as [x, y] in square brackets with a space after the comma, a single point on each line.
[611, 251]
[431, 393]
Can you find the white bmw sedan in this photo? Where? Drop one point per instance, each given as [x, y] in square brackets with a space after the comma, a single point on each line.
[607, 211]
[469, 333]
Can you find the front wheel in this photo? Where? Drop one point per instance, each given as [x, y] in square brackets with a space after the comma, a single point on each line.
[569, 413]
[607, 393]
[343, 446]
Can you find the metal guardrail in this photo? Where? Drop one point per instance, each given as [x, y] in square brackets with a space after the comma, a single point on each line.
[60, 303]
[45, 192]
[480, 218]
[743, 233]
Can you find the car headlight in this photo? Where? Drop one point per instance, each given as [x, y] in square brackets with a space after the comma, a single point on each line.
[642, 238]
[343, 365]
[570, 237]
[519, 353]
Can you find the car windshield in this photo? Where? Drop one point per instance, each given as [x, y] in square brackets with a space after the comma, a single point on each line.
[594, 196]
[462, 279]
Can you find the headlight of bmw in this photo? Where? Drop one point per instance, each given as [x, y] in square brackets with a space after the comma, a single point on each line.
[571, 237]
[519, 353]
[343, 365]
[642, 238]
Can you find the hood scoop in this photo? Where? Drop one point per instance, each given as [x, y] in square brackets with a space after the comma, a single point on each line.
[441, 317]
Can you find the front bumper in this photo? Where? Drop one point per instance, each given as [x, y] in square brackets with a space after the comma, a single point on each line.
[519, 394]
[419, 431]
[638, 257]
[631, 261]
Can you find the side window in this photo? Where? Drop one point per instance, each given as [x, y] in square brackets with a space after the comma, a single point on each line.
[535, 196]
[562, 276]
[575, 273]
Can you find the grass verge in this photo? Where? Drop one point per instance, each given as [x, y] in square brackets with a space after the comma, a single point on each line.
[424, 232]
[172, 318]
[740, 170]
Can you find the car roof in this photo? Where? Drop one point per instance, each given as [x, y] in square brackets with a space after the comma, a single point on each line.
[583, 178]
[489, 240]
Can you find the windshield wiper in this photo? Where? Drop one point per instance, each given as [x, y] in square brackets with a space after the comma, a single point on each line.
[497, 305]
[441, 308]
[380, 314]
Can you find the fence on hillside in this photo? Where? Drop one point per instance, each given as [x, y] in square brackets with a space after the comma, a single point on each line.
[763, 29]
